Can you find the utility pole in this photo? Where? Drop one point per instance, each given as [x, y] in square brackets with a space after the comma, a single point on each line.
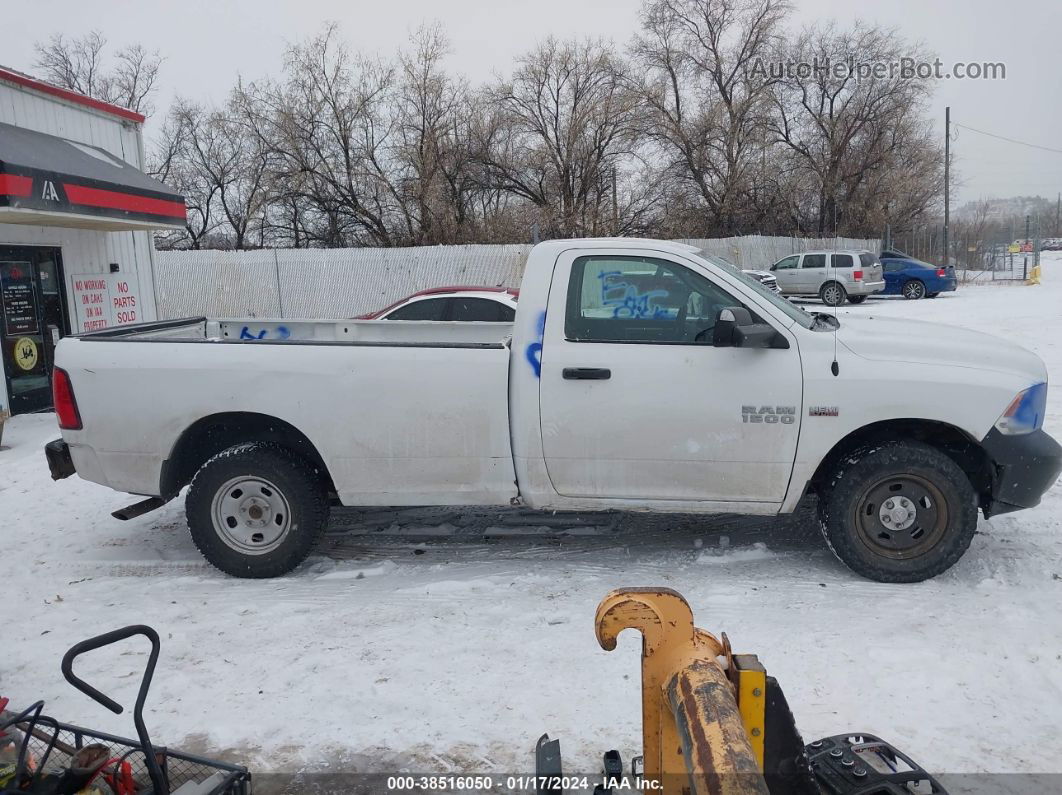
[947, 177]
[1058, 216]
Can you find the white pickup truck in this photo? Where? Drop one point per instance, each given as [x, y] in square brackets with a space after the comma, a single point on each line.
[638, 375]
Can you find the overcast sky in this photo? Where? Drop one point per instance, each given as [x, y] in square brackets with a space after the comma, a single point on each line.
[207, 43]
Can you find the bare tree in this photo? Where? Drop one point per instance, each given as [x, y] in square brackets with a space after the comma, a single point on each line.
[560, 129]
[844, 129]
[79, 64]
[708, 111]
[332, 121]
[691, 136]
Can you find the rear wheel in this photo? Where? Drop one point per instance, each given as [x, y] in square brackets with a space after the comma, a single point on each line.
[898, 512]
[832, 294]
[914, 290]
[255, 510]
[856, 299]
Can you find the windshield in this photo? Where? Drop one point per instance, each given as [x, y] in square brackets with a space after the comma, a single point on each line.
[792, 310]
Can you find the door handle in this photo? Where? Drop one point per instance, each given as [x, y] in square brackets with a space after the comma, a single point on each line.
[587, 373]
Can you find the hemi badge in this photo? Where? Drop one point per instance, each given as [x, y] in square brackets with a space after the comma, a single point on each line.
[823, 411]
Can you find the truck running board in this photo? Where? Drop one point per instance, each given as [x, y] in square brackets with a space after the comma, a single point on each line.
[139, 508]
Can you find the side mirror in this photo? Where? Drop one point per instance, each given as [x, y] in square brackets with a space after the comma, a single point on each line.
[734, 328]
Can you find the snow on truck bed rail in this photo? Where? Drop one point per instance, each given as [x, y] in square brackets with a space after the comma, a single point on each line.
[393, 332]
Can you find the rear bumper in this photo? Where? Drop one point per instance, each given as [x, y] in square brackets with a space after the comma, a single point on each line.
[865, 288]
[60, 464]
[1023, 468]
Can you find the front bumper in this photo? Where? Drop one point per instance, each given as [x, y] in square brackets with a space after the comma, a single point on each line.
[1024, 467]
[60, 464]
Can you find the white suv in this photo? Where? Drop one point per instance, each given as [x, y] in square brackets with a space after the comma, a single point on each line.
[831, 275]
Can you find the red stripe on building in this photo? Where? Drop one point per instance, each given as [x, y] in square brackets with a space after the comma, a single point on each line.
[113, 200]
[14, 185]
[70, 96]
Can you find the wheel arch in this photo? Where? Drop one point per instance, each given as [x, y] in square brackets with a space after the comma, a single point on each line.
[958, 445]
[209, 435]
[827, 283]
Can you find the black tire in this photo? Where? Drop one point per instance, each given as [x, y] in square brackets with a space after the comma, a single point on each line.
[292, 505]
[850, 512]
[932, 295]
[914, 290]
[832, 294]
[856, 299]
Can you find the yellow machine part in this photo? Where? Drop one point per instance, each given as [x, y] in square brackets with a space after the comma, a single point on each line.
[752, 700]
[695, 738]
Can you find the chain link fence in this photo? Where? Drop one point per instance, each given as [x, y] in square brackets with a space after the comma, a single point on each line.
[314, 283]
[982, 252]
[996, 260]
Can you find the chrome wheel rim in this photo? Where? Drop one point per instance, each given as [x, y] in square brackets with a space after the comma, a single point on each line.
[251, 515]
[901, 516]
[832, 295]
[913, 290]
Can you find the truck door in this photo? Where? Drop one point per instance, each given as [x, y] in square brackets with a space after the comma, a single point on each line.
[635, 401]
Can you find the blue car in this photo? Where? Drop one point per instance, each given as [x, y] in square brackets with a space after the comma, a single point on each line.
[913, 278]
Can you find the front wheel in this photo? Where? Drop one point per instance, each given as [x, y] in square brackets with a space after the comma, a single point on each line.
[898, 512]
[256, 509]
[914, 290]
[832, 294]
[856, 299]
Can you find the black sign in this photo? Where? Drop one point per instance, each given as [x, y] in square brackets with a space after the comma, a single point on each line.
[18, 301]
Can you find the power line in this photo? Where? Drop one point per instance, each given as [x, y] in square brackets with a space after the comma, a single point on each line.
[1009, 140]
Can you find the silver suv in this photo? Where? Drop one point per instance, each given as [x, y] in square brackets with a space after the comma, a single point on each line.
[831, 275]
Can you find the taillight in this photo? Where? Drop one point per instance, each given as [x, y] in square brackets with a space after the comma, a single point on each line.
[63, 400]
[857, 275]
[941, 273]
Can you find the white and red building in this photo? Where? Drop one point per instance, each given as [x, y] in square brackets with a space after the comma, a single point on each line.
[77, 213]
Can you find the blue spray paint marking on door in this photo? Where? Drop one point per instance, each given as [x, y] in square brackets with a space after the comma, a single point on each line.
[533, 352]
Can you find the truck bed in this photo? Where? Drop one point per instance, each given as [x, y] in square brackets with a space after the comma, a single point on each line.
[402, 413]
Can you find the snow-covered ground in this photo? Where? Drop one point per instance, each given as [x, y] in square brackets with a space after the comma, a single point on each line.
[440, 640]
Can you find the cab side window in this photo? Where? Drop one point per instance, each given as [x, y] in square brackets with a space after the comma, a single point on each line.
[641, 299]
[787, 263]
[814, 261]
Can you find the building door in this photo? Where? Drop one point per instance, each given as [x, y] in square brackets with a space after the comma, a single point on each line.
[32, 319]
